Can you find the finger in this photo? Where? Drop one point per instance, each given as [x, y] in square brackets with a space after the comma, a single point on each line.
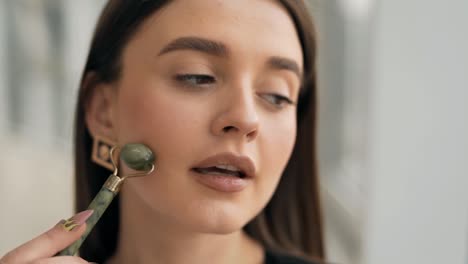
[49, 243]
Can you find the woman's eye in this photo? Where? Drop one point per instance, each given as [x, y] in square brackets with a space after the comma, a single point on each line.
[195, 79]
[277, 100]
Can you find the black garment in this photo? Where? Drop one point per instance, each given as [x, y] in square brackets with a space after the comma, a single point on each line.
[272, 257]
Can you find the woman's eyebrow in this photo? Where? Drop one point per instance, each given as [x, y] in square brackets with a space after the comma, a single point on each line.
[281, 63]
[219, 49]
[210, 47]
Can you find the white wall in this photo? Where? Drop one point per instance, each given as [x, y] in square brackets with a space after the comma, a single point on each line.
[3, 108]
[344, 39]
[419, 134]
[36, 168]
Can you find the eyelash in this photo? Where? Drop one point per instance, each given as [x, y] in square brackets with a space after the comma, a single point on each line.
[193, 80]
[187, 79]
[282, 100]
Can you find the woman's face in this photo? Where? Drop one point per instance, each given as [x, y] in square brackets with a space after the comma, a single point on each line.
[204, 77]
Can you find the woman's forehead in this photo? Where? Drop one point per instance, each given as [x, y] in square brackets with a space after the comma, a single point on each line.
[256, 26]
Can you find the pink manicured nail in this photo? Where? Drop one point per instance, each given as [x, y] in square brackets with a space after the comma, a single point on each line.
[81, 217]
[77, 220]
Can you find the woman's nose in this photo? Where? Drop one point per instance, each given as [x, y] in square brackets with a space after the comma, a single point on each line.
[238, 116]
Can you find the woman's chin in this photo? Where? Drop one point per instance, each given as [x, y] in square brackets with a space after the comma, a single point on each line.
[217, 222]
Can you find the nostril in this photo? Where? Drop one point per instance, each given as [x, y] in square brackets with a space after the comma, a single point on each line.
[252, 134]
[226, 129]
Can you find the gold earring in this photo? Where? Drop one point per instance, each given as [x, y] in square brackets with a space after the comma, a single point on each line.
[101, 153]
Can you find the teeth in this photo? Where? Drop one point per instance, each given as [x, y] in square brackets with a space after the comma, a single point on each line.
[227, 167]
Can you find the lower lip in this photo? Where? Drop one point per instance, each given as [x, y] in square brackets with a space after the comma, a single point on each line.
[220, 182]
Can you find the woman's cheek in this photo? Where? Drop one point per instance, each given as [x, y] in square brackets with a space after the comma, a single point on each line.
[279, 144]
[148, 113]
[164, 122]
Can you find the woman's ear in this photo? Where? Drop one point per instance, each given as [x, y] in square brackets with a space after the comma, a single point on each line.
[100, 107]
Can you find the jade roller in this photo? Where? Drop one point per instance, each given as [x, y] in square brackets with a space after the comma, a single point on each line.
[137, 157]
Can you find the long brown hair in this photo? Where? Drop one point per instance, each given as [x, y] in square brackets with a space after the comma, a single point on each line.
[291, 222]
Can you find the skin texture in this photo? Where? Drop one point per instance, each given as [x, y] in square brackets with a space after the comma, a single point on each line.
[168, 217]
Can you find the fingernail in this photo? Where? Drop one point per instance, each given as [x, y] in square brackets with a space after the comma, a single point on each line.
[76, 220]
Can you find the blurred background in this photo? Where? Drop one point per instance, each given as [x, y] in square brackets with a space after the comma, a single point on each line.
[393, 141]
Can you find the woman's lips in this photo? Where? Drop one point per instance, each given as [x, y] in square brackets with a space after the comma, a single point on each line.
[225, 172]
[220, 182]
[229, 160]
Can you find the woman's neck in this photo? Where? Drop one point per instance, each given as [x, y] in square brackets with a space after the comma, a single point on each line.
[143, 239]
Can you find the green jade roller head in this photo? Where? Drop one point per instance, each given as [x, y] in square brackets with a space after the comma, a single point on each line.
[137, 157]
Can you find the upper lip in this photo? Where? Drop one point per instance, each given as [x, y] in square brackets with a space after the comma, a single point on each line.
[243, 163]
